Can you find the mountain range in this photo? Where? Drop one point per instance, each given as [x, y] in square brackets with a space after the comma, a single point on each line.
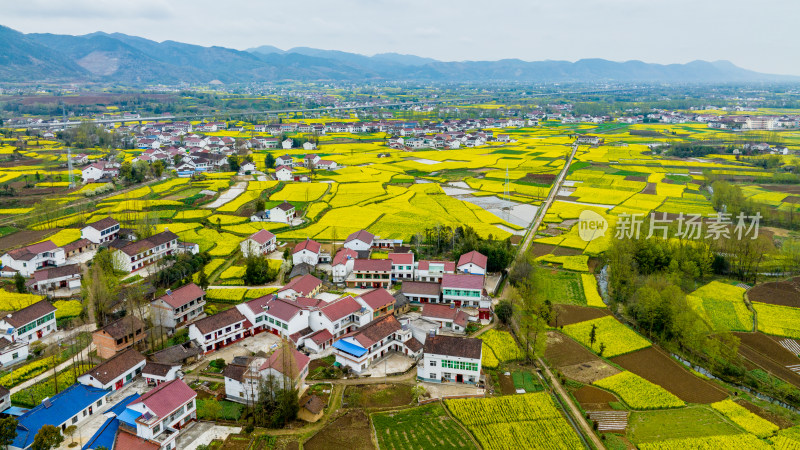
[120, 58]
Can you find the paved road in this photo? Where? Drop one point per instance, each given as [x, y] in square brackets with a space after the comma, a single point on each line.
[537, 222]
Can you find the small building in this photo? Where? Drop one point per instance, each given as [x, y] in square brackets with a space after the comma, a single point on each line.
[31, 258]
[463, 290]
[5, 399]
[277, 316]
[318, 341]
[138, 254]
[379, 301]
[342, 265]
[433, 271]
[220, 330]
[448, 317]
[359, 241]
[284, 173]
[71, 406]
[284, 213]
[472, 263]
[312, 409]
[303, 286]
[78, 247]
[373, 341]
[179, 354]
[285, 364]
[422, 291]
[156, 373]
[307, 251]
[118, 336]
[180, 307]
[55, 278]
[104, 230]
[284, 160]
[160, 413]
[287, 144]
[451, 359]
[340, 316]
[402, 266]
[30, 323]
[371, 273]
[247, 168]
[116, 372]
[243, 381]
[12, 353]
[258, 243]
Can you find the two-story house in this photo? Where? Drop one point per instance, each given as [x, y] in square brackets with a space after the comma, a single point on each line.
[30, 323]
[259, 243]
[340, 316]
[50, 279]
[371, 273]
[402, 266]
[472, 263]
[463, 290]
[104, 230]
[180, 307]
[342, 265]
[449, 318]
[306, 252]
[220, 330]
[379, 301]
[361, 240]
[303, 286]
[159, 414]
[422, 291]
[118, 336]
[450, 358]
[31, 258]
[139, 254]
[278, 316]
[433, 270]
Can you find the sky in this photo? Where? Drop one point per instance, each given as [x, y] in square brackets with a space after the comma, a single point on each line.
[760, 37]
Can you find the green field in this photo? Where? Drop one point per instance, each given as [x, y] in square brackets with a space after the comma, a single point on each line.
[691, 422]
[562, 287]
[426, 426]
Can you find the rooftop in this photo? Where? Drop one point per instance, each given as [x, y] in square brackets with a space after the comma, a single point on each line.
[125, 326]
[361, 235]
[117, 365]
[166, 397]
[219, 320]
[303, 285]
[377, 298]
[309, 244]
[462, 281]
[475, 258]
[182, 295]
[30, 313]
[454, 346]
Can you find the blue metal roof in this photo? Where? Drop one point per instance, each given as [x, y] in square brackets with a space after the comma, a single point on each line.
[105, 436]
[129, 417]
[63, 406]
[15, 411]
[352, 349]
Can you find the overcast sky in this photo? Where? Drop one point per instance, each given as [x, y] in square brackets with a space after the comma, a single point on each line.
[761, 37]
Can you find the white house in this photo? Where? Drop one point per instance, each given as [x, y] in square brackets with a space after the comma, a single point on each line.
[433, 270]
[284, 368]
[464, 290]
[340, 316]
[284, 173]
[160, 413]
[359, 241]
[342, 265]
[115, 372]
[306, 252]
[259, 243]
[303, 286]
[55, 278]
[448, 317]
[220, 330]
[284, 213]
[284, 160]
[31, 323]
[98, 170]
[472, 263]
[27, 260]
[144, 252]
[373, 341]
[180, 307]
[247, 168]
[156, 373]
[402, 266]
[12, 353]
[104, 230]
[277, 316]
[450, 358]
[287, 144]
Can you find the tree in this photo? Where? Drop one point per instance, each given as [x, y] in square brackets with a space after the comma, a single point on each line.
[593, 335]
[213, 408]
[504, 311]
[233, 163]
[126, 171]
[8, 431]
[101, 286]
[158, 168]
[257, 271]
[269, 161]
[260, 205]
[19, 283]
[602, 349]
[202, 280]
[70, 431]
[47, 438]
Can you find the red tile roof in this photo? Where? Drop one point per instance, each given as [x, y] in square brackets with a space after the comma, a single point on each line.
[276, 361]
[107, 371]
[262, 237]
[321, 336]
[304, 285]
[372, 265]
[29, 252]
[362, 235]
[166, 397]
[282, 309]
[462, 281]
[257, 305]
[306, 302]
[183, 295]
[473, 257]
[339, 308]
[449, 266]
[309, 244]
[128, 441]
[377, 298]
[102, 224]
[342, 256]
[401, 258]
[421, 288]
[439, 311]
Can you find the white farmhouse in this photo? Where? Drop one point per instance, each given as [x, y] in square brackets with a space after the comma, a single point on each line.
[31, 323]
[27, 260]
[284, 173]
[342, 265]
[115, 372]
[361, 240]
[450, 358]
[259, 243]
[104, 230]
[306, 252]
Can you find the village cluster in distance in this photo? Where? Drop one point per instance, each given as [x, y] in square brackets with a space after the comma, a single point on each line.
[399, 267]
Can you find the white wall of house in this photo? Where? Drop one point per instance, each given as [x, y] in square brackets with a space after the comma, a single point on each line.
[100, 236]
[471, 268]
[14, 353]
[30, 332]
[56, 257]
[434, 368]
[341, 271]
[223, 336]
[126, 377]
[305, 256]
[358, 244]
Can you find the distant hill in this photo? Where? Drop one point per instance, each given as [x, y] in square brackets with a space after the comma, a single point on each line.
[120, 58]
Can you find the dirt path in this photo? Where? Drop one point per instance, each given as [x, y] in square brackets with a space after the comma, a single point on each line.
[228, 196]
[574, 411]
[84, 354]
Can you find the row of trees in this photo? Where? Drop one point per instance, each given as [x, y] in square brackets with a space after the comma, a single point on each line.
[443, 241]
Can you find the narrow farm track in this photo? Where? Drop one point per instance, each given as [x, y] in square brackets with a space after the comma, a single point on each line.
[537, 221]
